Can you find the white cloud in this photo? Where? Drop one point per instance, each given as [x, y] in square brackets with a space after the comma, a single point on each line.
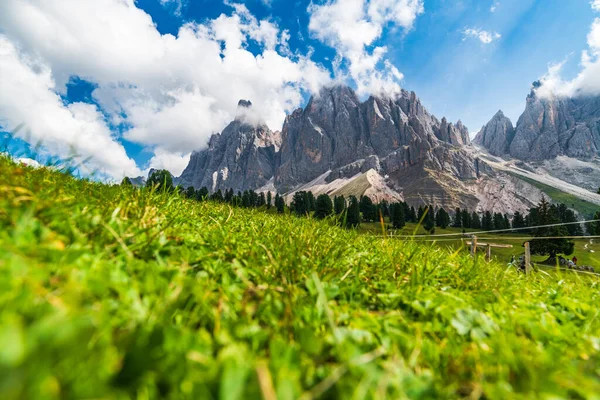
[496, 4]
[352, 26]
[27, 94]
[484, 37]
[174, 91]
[174, 162]
[176, 6]
[587, 82]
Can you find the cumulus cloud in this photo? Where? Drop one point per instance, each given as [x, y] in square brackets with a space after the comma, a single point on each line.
[176, 6]
[587, 82]
[484, 37]
[173, 162]
[27, 94]
[172, 92]
[352, 26]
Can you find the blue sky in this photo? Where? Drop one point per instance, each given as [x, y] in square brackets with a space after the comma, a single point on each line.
[456, 78]
[140, 83]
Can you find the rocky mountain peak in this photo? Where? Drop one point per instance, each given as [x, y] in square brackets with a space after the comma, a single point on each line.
[496, 135]
[242, 156]
[550, 126]
[336, 136]
[245, 103]
[248, 115]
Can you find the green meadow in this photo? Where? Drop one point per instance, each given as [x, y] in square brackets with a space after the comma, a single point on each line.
[110, 292]
[587, 251]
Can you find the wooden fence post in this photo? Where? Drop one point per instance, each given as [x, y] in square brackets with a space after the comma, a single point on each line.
[488, 247]
[473, 246]
[527, 258]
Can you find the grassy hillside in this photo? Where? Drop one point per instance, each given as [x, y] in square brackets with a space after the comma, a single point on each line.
[115, 293]
[587, 251]
[584, 208]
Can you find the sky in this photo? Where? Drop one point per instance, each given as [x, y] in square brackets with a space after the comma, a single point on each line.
[130, 85]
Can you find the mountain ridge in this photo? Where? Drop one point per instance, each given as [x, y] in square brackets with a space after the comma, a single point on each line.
[547, 128]
[337, 132]
[389, 148]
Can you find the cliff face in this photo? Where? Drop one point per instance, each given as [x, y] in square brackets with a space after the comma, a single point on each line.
[546, 129]
[387, 148]
[241, 157]
[497, 135]
[336, 132]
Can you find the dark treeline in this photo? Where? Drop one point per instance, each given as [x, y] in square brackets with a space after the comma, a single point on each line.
[246, 199]
[352, 211]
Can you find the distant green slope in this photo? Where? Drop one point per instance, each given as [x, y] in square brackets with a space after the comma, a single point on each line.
[586, 250]
[584, 208]
[108, 292]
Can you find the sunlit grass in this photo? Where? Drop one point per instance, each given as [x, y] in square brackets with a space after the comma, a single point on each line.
[110, 292]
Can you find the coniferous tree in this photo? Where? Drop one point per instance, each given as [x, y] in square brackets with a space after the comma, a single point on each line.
[407, 212]
[429, 219]
[568, 216]
[279, 204]
[397, 217]
[246, 199]
[353, 213]
[190, 192]
[466, 219]
[339, 204]
[310, 198]
[475, 221]
[126, 182]
[202, 194]
[300, 203]
[594, 227]
[253, 198]
[413, 214]
[269, 200]
[518, 221]
[549, 215]
[598, 192]
[368, 209]
[442, 219]
[262, 201]
[217, 196]
[161, 179]
[506, 224]
[498, 221]
[457, 221]
[323, 207]
[532, 219]
[420, 214]
[384, 208]
[487, 222]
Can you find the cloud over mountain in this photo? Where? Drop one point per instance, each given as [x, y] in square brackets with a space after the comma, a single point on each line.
[587, 82]
[170, 92]
[351, 27]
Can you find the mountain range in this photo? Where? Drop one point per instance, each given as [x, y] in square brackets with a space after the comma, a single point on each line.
[392, 148]
[549, 127]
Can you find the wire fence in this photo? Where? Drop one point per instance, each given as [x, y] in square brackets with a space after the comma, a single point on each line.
[507, 230]
[501, 238]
